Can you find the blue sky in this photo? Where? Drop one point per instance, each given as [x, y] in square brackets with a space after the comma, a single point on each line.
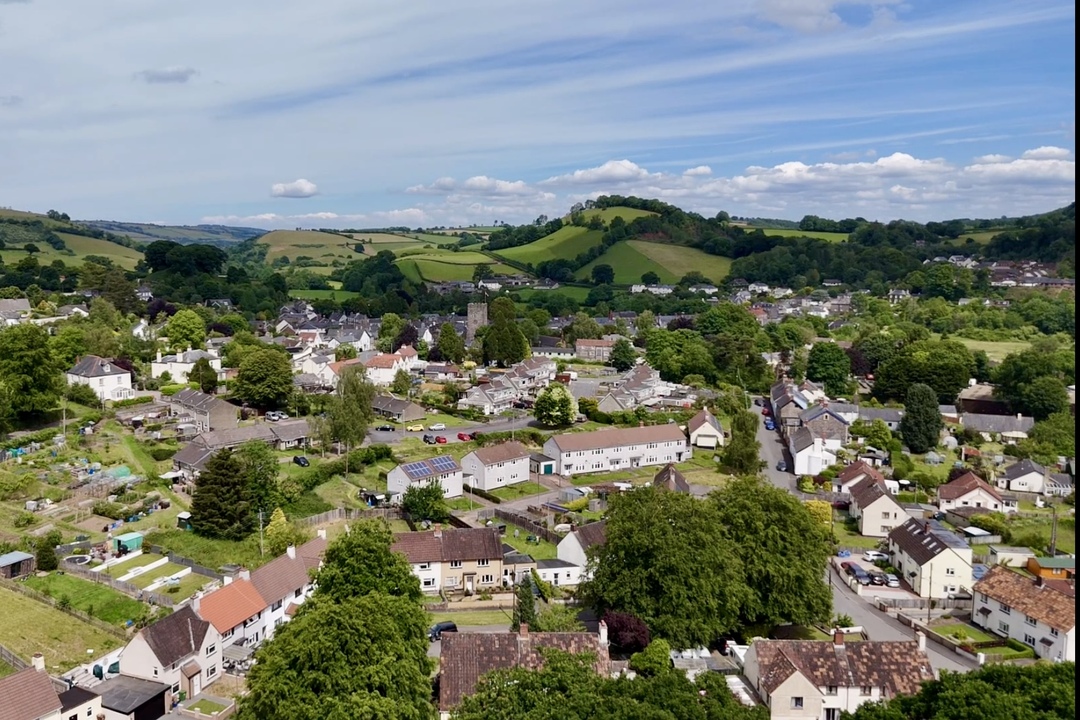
[366, 113]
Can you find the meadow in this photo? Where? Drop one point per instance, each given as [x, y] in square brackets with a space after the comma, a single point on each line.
[566, 242]
[609, 214]
[338, 295]
[791, 232]
[82, 246]
[312, 243]
[448, 266]
[996, 350]
[100, 601]
[633, 258]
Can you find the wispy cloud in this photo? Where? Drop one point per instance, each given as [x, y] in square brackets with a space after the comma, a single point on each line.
[163, 76]
[10, 100]
[296, 189]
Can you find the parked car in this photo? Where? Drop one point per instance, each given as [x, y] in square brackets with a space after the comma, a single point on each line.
[437, 630]
[757, 401]
[440, 439]
[429, 439]
[848, 567]
[862, 576]
[301, 460]
[464, 437]
[385, 428]
[877, 578]
[781, 466]
[770, 425]
[891, 580]
[765, 411]
[874, 556]
[272, 416]
[437, 426]
[415, 428]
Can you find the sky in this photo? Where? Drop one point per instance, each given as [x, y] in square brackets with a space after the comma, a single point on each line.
[372, 113]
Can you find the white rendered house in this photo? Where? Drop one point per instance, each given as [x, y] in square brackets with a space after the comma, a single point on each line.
[442, 469]
[108, 380]
[496, 466]
[617, 449]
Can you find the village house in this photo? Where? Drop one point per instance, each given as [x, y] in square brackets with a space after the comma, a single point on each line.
[178, 365]
[495, 466]
[14, 310]
[574, 547]
[285, 435]
[180, 650]
[465, 560]
[1036, 612]
[617, 449]
[1062, 567]
[970, 490]
[559, 573]
[705, 431]
[108, 380]
[934, 561]
[799, 679]
[1025, 476]
[235, 610]
[382, 368]
[809, 453]
[285, 582]
[593, 350]
[825, 424]
[466, 657]
[397, 409]
[205, 412]
[855, 473]
[641, 385]
[875, 509]
[1010, 429]
[30, 694]
[669, 478]
[442, 469]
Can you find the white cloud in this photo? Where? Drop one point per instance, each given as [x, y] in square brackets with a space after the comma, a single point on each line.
[816, 16]
[992, 158]
[172, 74]
[613, 171]
[296, 189]
[699, 171]
[1047, 152]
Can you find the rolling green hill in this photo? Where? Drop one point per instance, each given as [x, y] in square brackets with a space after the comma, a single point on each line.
[18, 229]
[566, 242]
[633, 258]
[322, 247]
[819, 234]
[609, 214]
[184, 234]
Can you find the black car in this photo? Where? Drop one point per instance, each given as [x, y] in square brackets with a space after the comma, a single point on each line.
[877, 578]
[385, 428]
[862, 576]
[301, 460]
[437, 630]
[429, 439]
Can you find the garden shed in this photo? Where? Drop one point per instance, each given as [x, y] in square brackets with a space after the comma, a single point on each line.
[132, 541]
[16, 564]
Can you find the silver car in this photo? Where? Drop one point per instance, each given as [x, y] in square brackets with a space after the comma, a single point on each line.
[891, 580]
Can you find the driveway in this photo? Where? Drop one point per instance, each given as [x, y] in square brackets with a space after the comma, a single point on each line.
[772, 452]
[435, 648]
[378, 437]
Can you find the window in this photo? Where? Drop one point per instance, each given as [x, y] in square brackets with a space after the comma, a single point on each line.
[1003, 627]
[1029, 639]
[226, 635]
[299, 592]
[155, 672]
[951, 572]
[455, 564]
[1030, 620]
[830, 690]
[866, 690]
[483, 563]
[211, 671]
[885, 528]
[487, 579]
[984, 598]
[796, 703]
[884, 516]
[1053, 632]
[423, 566]
[429, 582]
[176, 689]
[74, 717]
[211, 650]
[1004, 608]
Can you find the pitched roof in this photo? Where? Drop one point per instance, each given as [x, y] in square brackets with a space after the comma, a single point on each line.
[816, 411]
[284, 575]
[857, 469]
[702, 418]
[382, 361]
[996, 423]
[598, 439]
[868, 491]
[232, 604]
[75, 696]
[669, 478]
[802, 439]
[450, 544]
[466, 657]
[503, 452]
[967, 483]
[27, 695]
[94, 366]
[427, 468]
[590, 534]
[583, 342]
[14, 305]
[924, 540]
[176, 636]
[1022, 468]
[194, 454]
[898, 666]
[1042, 602]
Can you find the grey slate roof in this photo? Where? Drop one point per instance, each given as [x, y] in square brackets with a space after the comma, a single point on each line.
[176, 636]
[1022, 468]
[94, 366]
[996, 423]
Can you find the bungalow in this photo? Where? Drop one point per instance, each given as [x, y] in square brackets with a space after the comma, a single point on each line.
[705, 430]
[1034, 612]
[875, 509]
[1010, 428]
[108, 380]
[496, 466]
[814, 679]
[396, 409]
[180, 650]
[14, 310]
[809, 452]
[1052, 568]
[442, 372]
[442, 469]
[935, 561]
[466, 657]
[617, 449]
[1024, 476]
[970, 490]
[453, 559]
[574, 547]
[853, 474]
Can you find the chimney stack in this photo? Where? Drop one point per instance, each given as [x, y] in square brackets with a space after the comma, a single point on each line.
[1038, 581]
[603, 634]
[438, 531]
[38, 662]
[524, 630]
[159, 355]
[838, 637]
[641, 423]
[244, 574]
[321, 533]
[291, 552]
[926, 526]
[920, 638]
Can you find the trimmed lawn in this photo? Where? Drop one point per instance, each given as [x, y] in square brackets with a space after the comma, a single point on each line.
[467, 618]
[151, 576]
[100, 601]
[543, 551]
[128, 565]
[206, 707]
[464, 504]
[28, 626]
[5, 669]
[996, 350]
[520, 490]
[189, 585]
[792, 232]
[973, 634]
[567, 242]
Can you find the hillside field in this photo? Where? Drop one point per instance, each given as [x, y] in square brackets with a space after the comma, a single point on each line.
[323, 247]
[447, 266]
[609, 214]
[82, 246]
[788, 232]
[634, 258]
[566, 242]
[338, 295]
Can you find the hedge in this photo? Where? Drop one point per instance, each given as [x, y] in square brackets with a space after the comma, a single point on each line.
[141, 400]
[170, 390]
[482, 493]
[528, 435]
[162, 452]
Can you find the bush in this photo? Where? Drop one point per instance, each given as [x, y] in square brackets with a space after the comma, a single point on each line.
[627, 632]
[306, 505]
[528, 436]
[113, 511]
[82, 394]
[25, 519]
[482, 493]
[141, 400]
[653, 660]
[162, 452]
[64, 603]
[170, 390]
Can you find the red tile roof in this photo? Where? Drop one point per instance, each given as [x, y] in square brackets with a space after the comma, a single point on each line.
[232, 604]
[967, 483]
[1043, 602]
[466, 544]
[898, 666]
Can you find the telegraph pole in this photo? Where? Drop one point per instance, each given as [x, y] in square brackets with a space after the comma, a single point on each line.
[261, 551]
[930, 595]
[1053, 533]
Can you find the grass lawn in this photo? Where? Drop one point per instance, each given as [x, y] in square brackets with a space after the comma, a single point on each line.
[972, 633]
[543, 551]
[399, 526]
[808, 632]
[851, 538]
[151, 576]
[792, 232]
[100, 601]
[188, 586]
[567, 242]
[5, 669]
[128, 565]
[209, 552]
[126, 258]
[996, 350]
[571, 291]
[464, 504]
[1066, 529]
[339, 493]
[631, 259]
[28, 626]
[979, 237]
[520, 490]
[467, 618]
[206, 707]
[323, 294]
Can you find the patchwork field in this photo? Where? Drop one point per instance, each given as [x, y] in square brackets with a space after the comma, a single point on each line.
[634, 258]
[447, 266]
[566, 242]
[28, 626]
[789, 232]
[312, 243]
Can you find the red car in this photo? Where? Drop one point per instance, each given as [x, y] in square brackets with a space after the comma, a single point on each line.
[765, 411]
[440, 440]
[463, 437]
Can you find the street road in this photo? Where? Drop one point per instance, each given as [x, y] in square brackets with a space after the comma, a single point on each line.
[450, 433]
[772, 452]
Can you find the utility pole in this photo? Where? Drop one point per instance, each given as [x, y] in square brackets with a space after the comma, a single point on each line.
[1053, 533]
[261, 551]
[930, 595]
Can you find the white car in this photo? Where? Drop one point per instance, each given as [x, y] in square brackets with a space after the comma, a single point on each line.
[437, 426]
[891, 581]
[874, 556]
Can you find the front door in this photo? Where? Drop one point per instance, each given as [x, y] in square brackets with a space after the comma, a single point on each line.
[469, 583]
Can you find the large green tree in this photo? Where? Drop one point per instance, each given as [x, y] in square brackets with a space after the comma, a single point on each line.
[921, 425]
[1018, 382]
[205, 375]
[259, 467]
[186, 329]
[555, 406]
[743, 451]
[425, 502]
[524, 605]
[783, 551]
[582, 327]
[29, 370]
[221, 505]
[349, 409]
[623, 355]
[450, 345]
[264, 379]
[360, 562]
[944, 365]
[829, 364]
[361, 656]
[666, 560]
[503, 341]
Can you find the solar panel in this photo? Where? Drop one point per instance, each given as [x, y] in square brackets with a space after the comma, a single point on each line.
[444, 463]
[416, 470]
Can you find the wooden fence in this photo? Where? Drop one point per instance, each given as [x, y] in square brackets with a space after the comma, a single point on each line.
[12, 659]
[51, 601]
[524, 521]
[349, 514]
[129, 589]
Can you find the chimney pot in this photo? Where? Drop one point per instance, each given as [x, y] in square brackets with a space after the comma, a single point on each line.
[244, 574]
[641, 423]
[438, 530]
[838, 637]
[291, 552]
[38, 662]
[321, 533]
[524, 630]
[603, 633]
[920, 638]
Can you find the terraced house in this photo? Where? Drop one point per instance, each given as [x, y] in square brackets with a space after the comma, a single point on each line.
[453, 559]
[1037, 612]
[617, 449]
